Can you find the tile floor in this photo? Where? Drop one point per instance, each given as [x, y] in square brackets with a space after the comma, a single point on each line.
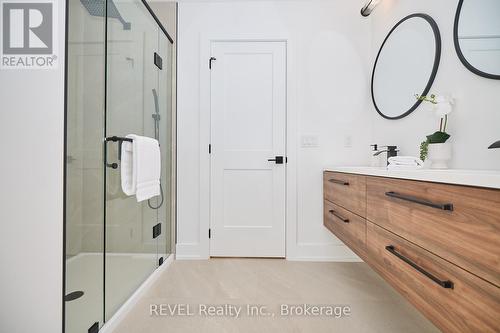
[374, 305]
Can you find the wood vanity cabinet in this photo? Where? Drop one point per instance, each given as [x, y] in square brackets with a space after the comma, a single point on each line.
[346, 190]
[458, 223]
[344, 209]
[437, 244]
[349, 227]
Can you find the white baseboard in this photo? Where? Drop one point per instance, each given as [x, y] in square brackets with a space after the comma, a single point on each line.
[113, 322]
[190, 251]
[189, 257]
[335, 252]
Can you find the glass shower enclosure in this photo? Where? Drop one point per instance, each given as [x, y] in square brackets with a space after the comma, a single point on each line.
[119, 82]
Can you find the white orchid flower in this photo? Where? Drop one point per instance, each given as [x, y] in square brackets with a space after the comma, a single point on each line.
[443, 105]
[443, 99]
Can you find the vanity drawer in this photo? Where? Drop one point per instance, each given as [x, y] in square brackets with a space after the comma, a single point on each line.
[346, 190]
[348, 227]
[460, 224]
[455, 300]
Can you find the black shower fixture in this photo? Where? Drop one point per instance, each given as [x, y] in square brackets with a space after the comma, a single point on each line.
[96, 8]
[495, 145]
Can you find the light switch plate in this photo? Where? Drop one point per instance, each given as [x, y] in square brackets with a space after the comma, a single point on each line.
[309, 141]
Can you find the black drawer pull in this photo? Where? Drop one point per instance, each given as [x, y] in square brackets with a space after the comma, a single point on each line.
[337, 215]
[446, 206]
[337, 181]
[445, 284]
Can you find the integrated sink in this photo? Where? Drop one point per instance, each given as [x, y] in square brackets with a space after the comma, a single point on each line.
[480, 178]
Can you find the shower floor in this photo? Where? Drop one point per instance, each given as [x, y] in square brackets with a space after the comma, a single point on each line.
[125, 272]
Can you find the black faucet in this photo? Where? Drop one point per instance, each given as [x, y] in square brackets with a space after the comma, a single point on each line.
[495, 145]
[391, 152]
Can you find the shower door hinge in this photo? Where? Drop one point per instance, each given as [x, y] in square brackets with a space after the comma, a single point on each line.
[157, 230]
[209, 148]
[158, 61]
[94, 328]
[209, 233]
[210, 62]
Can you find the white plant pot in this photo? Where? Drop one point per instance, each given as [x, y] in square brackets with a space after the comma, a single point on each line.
[439, 155]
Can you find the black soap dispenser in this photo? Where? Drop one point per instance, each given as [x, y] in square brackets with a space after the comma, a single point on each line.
[374, 156]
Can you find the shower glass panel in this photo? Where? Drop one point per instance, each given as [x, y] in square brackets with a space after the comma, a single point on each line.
[84, 168]
[165, 80]
[116, 86]
[136, 104]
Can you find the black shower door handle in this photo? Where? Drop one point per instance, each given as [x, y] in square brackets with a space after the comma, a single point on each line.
[118, 139]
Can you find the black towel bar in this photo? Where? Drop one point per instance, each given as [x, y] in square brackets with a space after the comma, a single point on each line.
[118, 139]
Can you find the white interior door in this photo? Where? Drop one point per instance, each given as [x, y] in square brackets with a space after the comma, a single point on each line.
[248, 119]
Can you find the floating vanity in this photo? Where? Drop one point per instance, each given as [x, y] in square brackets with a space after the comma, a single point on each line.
[434, 235]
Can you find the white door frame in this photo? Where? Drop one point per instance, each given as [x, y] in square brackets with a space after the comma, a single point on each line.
[291, 241]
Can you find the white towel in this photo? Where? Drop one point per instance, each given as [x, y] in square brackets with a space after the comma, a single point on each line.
[141, 167]
[395, 167]
[405, 163]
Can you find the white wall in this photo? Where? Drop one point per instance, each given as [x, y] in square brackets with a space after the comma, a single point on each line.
[475, 123]
[31, 196]
[328, 96]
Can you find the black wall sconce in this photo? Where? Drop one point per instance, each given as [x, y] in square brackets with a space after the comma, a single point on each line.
[369, 7]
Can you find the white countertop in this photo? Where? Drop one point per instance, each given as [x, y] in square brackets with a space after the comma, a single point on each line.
[479, 178]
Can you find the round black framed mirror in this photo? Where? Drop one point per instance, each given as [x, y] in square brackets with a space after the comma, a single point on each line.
[476, 35]
[406, 64]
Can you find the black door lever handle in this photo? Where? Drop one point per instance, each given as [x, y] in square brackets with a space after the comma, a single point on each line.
[277, 160]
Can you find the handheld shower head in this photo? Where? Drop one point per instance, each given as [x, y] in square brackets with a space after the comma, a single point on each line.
[156, 115]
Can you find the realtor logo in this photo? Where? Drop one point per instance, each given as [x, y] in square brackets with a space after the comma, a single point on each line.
[28, 33]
